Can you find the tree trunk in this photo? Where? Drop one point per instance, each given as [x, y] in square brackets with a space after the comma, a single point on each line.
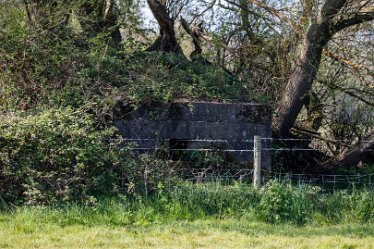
[167, 40]
[301, 79]
[195, 35]
[308, 63]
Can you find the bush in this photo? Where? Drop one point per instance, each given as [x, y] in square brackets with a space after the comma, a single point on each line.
[56, 155]
[60, 155]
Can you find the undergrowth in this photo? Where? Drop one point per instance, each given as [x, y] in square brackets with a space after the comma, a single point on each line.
[275, 203]
[58, 98]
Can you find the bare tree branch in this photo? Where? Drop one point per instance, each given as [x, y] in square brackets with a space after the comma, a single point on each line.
[273, 11]
[357, 19]
[330, 9]
[354, 155]
[348, 63]
[194, 33]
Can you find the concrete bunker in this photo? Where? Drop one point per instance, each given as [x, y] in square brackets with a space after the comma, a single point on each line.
[225, 128]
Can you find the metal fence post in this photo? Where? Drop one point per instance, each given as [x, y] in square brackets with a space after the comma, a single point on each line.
[257, 162]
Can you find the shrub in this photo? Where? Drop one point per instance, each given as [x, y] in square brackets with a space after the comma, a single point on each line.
[56, 155]
[61, 155]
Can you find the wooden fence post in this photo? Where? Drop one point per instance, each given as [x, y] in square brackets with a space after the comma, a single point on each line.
[257, 162]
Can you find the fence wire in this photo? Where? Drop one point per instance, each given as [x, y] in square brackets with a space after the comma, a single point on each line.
[327, 182]
[163, 141]
[204, 174]
[334, 180]
[311, 139]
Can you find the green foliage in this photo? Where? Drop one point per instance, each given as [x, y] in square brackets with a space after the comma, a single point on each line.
[54, 69]
[281, 202]
[145, 76]
[61, 155]
[56, 155]
[58, 90]
[275, 203]
[65, 68]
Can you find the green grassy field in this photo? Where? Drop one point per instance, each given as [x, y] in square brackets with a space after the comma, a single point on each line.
[208, 233]
[199, 216]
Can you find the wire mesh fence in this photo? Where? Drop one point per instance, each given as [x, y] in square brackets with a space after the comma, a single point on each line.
[226, 175]
[222, 173]
[325, 180]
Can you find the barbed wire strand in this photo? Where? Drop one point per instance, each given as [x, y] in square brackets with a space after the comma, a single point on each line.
[213, 150]
[226, 150]
[309, 140]
[226, 140]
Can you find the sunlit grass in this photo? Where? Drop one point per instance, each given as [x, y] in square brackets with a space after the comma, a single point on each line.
[199, 216]
[208, 233]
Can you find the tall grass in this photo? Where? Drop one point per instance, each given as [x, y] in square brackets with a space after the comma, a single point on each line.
[274, 203]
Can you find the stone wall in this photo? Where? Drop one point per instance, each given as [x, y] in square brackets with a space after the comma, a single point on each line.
[179, 125]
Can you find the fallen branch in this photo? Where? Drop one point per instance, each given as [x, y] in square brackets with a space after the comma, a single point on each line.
[353, 156]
